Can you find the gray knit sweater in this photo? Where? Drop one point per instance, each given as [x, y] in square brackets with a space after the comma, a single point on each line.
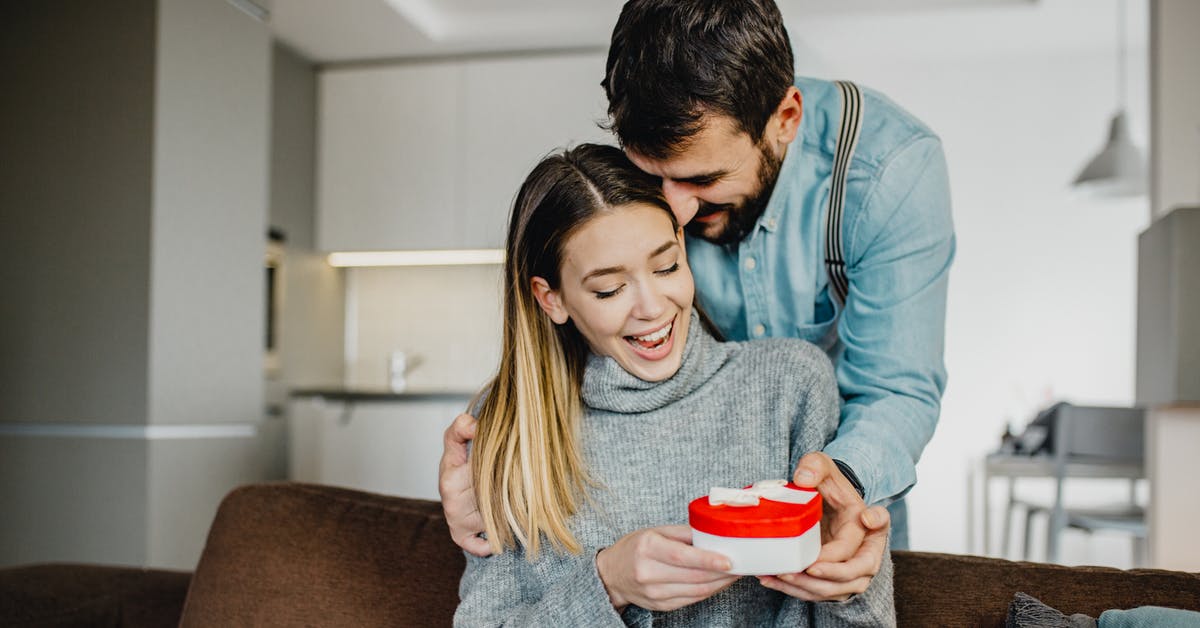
[734, 413]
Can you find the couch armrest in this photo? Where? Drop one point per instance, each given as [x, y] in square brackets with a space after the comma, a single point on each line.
[62, 595]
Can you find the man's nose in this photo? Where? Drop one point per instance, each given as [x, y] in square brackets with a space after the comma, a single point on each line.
[684, 203]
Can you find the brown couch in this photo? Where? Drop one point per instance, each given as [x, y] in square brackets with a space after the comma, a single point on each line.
[304, 555]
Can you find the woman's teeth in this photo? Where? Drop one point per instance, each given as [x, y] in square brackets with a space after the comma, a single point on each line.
[654, 339]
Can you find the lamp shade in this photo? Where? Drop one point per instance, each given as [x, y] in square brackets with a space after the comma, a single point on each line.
[1119, 169]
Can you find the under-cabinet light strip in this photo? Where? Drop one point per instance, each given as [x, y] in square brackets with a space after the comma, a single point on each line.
[456, 257]
[134, 432]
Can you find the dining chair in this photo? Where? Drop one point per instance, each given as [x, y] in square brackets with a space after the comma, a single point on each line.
[1096, 442]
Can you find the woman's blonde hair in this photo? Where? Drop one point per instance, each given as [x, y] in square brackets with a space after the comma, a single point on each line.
[526, 459]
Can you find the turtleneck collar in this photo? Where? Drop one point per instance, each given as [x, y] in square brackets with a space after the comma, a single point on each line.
[607, 386]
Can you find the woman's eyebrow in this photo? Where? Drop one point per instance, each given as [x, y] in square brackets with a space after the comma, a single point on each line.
[666, 246]
[608, 270]
[611, 270]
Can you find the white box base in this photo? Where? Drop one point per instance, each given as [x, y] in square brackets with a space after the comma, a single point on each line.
[764, 556]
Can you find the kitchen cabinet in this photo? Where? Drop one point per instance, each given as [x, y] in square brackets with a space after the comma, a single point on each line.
[516, 111]
[387, 157]
[390, 446]
[429, 155]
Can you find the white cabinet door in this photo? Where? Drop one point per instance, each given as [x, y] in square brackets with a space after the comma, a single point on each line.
[388, 157]
[516, 110]
[430, 155]
[383, 447]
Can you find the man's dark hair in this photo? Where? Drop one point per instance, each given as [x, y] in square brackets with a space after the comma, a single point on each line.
[672, 61]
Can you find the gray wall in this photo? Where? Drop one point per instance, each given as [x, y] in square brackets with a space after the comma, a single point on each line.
[209, 223]
[1168, 340]
[1168, 330]
[76, 118]
[135, 204]
[1174, 105]
[293, 146]
[211, 152]
[72, 499]
[311, 338]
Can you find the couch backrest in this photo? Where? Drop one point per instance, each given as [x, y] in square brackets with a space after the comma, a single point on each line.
[957, 590]
[303, 555]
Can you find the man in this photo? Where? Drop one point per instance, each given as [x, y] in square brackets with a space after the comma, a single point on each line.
[701, 93]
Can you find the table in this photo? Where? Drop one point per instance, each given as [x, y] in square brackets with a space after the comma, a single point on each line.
[1013, 466]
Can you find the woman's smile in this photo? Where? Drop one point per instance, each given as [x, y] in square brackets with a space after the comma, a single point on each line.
[654, 345]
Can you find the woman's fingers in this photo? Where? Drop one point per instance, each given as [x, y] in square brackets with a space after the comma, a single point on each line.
[658, 569]
[673, 546]
[811, 589]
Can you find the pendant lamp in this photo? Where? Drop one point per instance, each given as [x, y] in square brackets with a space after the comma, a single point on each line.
[1119, 169]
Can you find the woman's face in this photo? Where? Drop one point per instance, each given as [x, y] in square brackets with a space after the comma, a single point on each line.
[626, 285]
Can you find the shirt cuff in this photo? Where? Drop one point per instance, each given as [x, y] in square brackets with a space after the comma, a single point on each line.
[879, 473]
[850, 475]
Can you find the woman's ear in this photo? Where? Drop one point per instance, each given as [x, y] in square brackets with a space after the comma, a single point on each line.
[549, 299]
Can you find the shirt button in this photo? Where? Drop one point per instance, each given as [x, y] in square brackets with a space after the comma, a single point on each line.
[751, 264]
[759, 330]
[771, 223]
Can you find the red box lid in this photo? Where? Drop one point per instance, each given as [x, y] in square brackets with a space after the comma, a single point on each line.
[769, 519]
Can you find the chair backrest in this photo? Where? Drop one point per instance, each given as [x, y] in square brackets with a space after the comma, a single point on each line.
[1100, 434]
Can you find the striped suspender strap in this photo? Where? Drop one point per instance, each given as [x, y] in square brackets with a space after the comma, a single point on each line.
[835, 263]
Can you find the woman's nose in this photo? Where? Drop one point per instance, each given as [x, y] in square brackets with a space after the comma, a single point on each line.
[684, 204]
[651, 302]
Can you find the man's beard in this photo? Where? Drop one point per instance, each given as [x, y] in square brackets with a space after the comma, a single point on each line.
[741, 217]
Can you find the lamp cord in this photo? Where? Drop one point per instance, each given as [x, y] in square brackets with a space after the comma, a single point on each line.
[1121, 55]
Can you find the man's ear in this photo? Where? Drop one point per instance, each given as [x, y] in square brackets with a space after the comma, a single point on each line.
[785, 122]
[549, 299]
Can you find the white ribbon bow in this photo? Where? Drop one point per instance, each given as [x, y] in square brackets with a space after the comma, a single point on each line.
[774, 490]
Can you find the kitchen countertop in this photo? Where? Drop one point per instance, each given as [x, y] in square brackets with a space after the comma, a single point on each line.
[357, 395]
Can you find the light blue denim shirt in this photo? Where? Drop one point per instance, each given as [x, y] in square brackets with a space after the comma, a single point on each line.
[887, 342]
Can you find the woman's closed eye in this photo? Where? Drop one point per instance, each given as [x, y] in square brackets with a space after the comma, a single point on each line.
[614, 291]
[604, 294]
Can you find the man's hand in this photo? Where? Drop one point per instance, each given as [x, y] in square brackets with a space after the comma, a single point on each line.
[458, 490]
[853, 537]
[659, 570]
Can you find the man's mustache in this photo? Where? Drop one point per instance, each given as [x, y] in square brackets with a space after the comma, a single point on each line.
[712, 208]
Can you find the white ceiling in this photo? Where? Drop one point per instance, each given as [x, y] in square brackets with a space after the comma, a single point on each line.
[327, 31]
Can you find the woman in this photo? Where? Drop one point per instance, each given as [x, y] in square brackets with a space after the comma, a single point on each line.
[613, 407]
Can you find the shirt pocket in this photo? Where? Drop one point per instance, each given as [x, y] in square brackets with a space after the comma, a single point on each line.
[822, 332]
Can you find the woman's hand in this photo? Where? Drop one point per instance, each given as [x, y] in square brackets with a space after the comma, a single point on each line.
[458, 489]
[658, 569]
[853, 538]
